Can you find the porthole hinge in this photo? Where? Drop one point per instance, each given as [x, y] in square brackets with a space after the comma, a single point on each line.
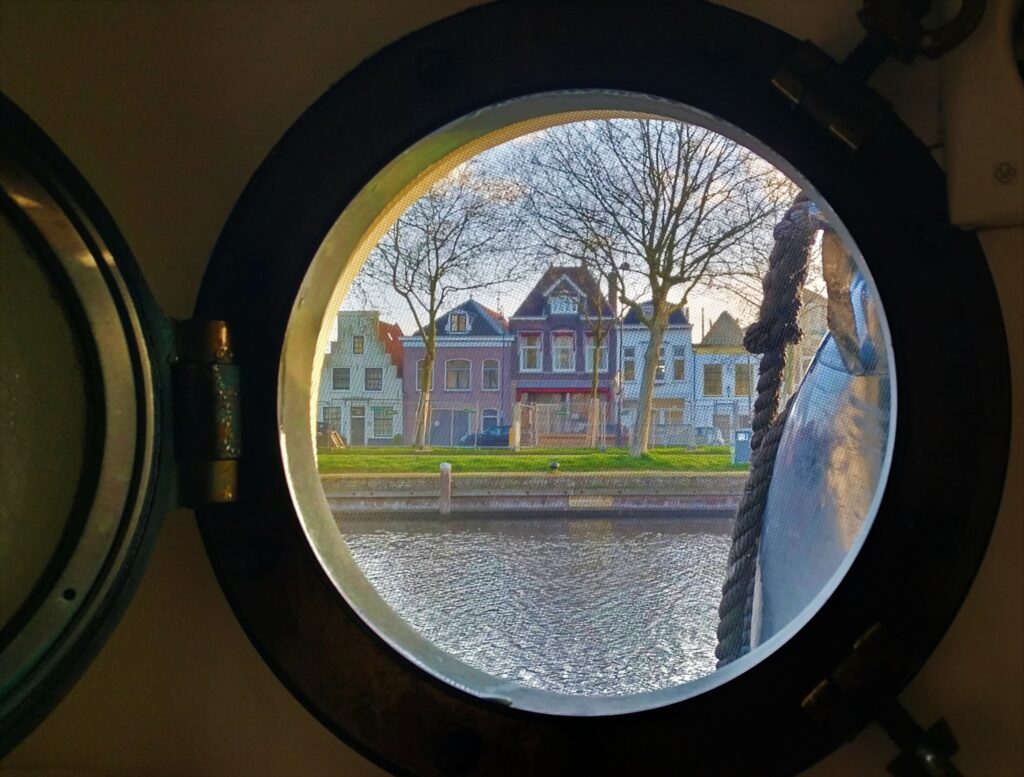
[856, 691]
[835, 94]
[206, 399]
[826, 91]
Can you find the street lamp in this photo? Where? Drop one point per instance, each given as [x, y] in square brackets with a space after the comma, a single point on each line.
[617, 293]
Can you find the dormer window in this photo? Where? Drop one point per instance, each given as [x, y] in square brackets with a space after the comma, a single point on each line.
[564, 304]
[457, 322]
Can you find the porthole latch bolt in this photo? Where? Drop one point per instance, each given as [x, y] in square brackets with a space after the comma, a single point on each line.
[857, 690]
[207, 408]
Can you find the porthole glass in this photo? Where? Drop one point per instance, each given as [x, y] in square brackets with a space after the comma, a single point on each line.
[44, 403]
[520, 393]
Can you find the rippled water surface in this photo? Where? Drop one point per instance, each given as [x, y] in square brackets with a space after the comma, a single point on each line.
[582, 606]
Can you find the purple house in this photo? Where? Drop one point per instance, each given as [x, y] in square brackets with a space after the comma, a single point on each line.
[472, 369]
[554, 343]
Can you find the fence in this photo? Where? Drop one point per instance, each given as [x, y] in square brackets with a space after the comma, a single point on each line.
[575, 424]
[370, 422]
[365, 421]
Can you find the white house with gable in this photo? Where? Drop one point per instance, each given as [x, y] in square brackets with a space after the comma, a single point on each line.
[725, 379]
[361, 382]
[672, 422]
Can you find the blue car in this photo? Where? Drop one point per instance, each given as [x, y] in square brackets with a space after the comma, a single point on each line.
[495, 437]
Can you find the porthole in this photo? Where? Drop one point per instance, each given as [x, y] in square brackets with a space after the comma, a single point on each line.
[329, 187]
[84, 397]
[593, 588]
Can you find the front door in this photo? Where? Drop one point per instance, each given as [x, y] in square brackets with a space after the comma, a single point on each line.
[358, 430]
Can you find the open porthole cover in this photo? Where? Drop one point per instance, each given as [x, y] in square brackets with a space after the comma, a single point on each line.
[929, 533]
[84, 395]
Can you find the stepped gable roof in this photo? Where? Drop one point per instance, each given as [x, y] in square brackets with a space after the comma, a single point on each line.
[677, 318]
[556, 277]
[390, 336]
[726, 331]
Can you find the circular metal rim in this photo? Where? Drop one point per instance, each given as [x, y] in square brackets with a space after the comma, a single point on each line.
[344, 250]
[61, 631]
[930, 532]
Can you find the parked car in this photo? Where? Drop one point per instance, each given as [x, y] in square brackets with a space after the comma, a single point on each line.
[495, 437]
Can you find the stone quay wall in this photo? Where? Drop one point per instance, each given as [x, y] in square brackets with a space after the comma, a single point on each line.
[600, 492]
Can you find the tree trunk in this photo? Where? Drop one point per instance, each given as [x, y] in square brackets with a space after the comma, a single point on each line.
[423, 406]
[642, 427]
[593, 412]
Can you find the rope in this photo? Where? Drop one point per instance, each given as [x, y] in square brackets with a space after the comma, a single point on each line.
[775, 329]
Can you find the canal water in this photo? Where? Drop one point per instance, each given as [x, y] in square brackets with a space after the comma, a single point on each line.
[591, 606]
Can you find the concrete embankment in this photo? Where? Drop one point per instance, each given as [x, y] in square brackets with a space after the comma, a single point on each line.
[671, 492]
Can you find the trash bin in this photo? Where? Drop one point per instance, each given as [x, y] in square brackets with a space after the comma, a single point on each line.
[741, 449]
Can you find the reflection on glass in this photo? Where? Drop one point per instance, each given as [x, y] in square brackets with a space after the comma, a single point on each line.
[42, 412]
[534, 416]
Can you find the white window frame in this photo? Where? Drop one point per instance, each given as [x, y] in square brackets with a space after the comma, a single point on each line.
[563, 305]
[589, 355]
[679, 358]
[469, 374]
[556, 349]
[362, 344]
[489, 412]
[630, 359]
[736, 379]
[373, 425]
[458, 316]
[366, 375]
[497, 374]
[335, 374]
[721, 379]
[524, 350]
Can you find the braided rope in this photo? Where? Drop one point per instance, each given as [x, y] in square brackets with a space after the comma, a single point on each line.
[775, 329]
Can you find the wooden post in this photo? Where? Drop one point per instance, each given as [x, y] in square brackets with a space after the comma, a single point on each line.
[517, 420]
[444, 502]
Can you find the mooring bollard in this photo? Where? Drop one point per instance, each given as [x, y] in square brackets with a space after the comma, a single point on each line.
[444, 503]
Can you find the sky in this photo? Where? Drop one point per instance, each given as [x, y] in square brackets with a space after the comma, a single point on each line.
[704, 305]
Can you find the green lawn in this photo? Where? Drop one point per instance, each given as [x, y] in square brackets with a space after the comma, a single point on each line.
[397, 460]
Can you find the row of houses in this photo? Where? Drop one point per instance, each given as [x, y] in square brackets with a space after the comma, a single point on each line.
[541, 357]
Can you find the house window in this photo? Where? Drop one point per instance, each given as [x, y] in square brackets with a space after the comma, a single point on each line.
[602, 357]
[668, 412]
[629, 364]
[530, 352]
[457, 322]
[678, 362]
[383, 422]
[340, 378]
[563, 352]
[712, 380]
[491, 375]
[744, 374]
[564, 305]
[490, 419]
[659, 371]
[373, 379]
[357, 344]
[456, 375]
[332, 418]
[421, 366]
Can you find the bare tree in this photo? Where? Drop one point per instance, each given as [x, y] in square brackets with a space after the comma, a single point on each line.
[449, 242]
[676, 202]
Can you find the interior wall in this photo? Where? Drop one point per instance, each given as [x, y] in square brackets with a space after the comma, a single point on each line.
[167, 109]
